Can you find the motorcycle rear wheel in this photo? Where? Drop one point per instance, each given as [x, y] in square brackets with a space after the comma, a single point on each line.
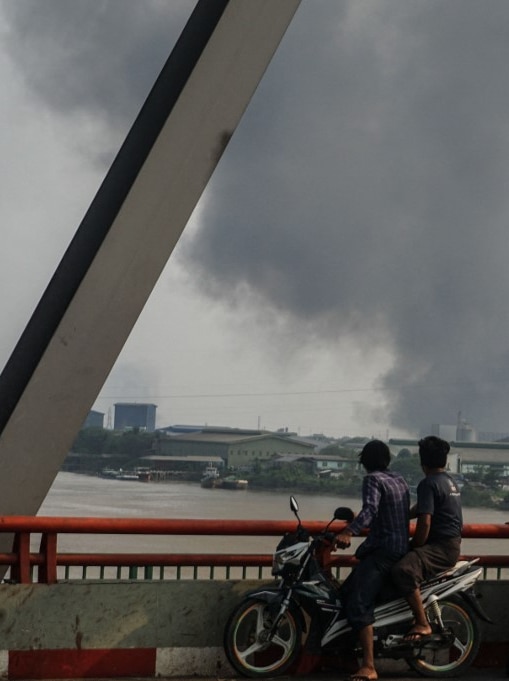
[460, 620]
[245, 642]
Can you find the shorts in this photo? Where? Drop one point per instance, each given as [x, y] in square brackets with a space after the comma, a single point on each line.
[423, 563]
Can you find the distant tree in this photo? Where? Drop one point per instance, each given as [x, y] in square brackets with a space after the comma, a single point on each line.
[102, 441]
[404, 453]
[409, 467]
[132, 442]
[470, 496]
[492, 478]
[474, 475]
[338, 450]
[91, 441]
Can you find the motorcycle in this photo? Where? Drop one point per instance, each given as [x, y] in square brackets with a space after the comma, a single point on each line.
[267, 632]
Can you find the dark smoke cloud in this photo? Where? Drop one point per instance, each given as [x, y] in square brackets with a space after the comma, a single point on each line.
[99, 57]
[368, 194]
[364, 194]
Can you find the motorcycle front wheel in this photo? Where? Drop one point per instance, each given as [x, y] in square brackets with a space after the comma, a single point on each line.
[248, 646]
[443, 661]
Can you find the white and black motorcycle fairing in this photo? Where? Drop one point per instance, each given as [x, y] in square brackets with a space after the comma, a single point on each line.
[273, 625]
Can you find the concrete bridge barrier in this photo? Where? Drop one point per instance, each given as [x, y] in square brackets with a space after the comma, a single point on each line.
[108, 629]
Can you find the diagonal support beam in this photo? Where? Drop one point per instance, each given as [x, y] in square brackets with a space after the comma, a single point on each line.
[107, 274]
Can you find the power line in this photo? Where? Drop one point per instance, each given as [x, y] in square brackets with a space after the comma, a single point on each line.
[263, 394]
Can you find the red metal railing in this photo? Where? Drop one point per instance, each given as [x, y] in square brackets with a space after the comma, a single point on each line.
[21, 560]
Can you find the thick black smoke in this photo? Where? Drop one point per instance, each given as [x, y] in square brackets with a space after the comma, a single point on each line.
[368, 193]
[365, 191]
[98, 58]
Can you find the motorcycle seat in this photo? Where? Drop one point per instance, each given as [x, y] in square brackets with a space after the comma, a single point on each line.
[460, 565]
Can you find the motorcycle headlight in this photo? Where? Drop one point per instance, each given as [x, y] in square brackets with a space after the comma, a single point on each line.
[277, 564]
[288, 557]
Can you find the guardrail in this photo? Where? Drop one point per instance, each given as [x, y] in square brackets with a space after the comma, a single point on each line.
[48, 565]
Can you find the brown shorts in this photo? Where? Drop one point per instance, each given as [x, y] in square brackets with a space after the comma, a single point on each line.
[423, 563]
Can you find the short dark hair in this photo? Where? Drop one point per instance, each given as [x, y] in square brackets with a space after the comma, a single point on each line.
[375, 456]
[433, 452]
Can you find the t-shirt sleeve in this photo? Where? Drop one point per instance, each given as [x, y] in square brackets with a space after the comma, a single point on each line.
[425, 498]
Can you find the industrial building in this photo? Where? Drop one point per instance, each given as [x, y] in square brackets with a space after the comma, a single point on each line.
[130, 415]
[95, 419]
[238, 448]
[466, 457]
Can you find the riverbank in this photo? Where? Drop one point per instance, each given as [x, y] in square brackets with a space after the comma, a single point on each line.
[293, 482]
[73, 495]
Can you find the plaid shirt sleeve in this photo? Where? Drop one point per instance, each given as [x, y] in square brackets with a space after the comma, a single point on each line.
[371, 494]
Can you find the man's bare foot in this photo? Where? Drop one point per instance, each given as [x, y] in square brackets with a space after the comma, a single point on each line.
[364, 674]
[417, 632]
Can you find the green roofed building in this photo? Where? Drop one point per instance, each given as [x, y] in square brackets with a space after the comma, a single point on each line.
[238, 448]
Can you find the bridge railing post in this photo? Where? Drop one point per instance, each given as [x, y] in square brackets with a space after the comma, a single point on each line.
[48, 570]
[21, 569]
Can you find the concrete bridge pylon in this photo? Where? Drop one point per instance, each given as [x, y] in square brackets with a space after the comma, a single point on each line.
[93, 300]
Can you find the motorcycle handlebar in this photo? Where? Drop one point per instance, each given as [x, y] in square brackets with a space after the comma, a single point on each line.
[324, 538]
[330, 537]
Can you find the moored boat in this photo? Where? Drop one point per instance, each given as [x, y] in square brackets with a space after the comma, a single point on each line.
[119, 475]
[211, 477]
[231, 482]
[127, 476]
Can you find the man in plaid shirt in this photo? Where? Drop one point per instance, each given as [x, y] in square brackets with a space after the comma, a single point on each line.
[385, 511]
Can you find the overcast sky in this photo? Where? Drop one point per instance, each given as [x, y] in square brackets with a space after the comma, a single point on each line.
[345, 271]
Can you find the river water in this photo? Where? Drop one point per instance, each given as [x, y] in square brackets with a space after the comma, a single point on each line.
[85, 496]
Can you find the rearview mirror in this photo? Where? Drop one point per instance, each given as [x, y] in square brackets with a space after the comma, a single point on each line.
[294, 506]
[344, 513]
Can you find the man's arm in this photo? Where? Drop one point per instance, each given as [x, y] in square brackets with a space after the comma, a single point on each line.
[422, 529]
[370, 502]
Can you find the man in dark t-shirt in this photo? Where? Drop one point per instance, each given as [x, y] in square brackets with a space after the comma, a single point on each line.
[437, 538]
[438, 495]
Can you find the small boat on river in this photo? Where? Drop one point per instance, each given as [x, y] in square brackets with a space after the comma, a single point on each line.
[212, 479]
[119, 475]
[232, 482]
